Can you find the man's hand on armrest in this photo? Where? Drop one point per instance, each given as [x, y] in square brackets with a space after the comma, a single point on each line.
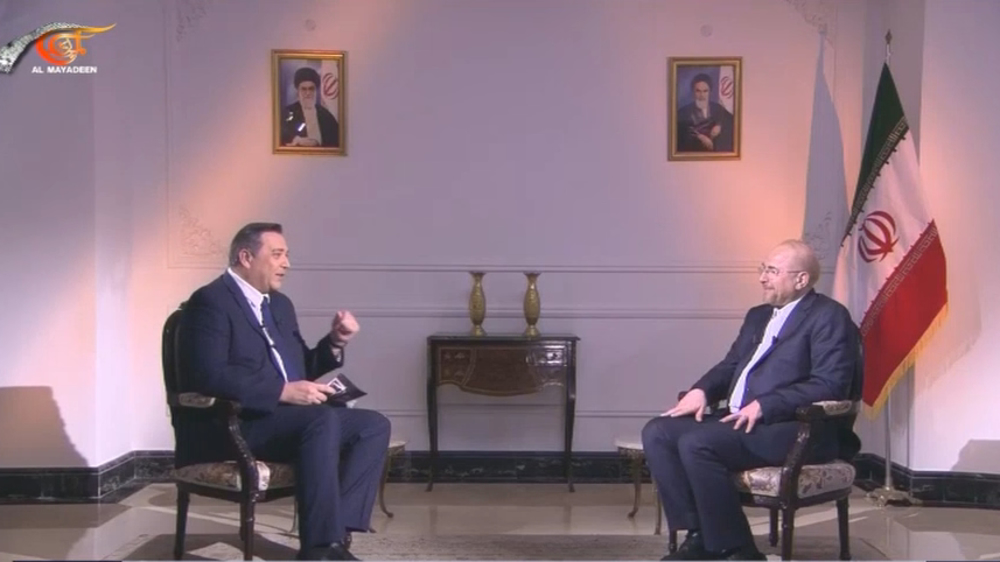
[304, 393]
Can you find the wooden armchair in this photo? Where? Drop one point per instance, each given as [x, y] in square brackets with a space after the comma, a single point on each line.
[795, 484]
[245, 480]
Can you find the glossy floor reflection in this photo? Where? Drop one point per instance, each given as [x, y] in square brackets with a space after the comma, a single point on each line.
[73, 532]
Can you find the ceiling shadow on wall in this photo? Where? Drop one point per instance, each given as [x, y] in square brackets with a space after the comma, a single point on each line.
[34, 432]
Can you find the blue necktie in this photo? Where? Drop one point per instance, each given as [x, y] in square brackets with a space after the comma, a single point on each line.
[288, 357]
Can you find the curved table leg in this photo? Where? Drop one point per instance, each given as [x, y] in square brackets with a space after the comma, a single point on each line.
[637, 483]
[381, 487]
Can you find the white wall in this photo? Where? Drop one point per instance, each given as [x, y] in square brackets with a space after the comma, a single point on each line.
[957, 383]
[47, 339]
[502, 135]
[939, 56]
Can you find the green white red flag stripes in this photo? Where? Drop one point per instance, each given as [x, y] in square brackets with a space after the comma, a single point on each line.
[891, 267]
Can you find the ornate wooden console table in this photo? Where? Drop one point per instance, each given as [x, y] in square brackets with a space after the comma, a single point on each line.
[502, 365]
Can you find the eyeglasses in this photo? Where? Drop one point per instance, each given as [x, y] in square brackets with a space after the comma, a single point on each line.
[772, 271]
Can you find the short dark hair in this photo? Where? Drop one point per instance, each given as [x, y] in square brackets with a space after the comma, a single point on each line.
[306, 74]
[701, 78]
[248, 238]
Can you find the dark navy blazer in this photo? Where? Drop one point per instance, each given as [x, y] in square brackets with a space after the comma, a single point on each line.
[816, 356]
[223, 352]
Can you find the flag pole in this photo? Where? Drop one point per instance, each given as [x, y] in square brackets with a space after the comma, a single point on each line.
[888, 494]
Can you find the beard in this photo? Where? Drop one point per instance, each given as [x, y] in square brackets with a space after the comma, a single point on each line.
[702, 107]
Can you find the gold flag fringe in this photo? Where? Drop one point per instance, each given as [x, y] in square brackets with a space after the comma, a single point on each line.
[911, 358]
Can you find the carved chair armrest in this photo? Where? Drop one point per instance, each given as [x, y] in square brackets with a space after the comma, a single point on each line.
[228, 410]
[808, 417]
[825, 410]
[203, 402]
[192, 400]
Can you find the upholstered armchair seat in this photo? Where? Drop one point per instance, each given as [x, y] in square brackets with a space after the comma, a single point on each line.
[226, 475]
[786, 488]
[814, 479]
[244, 480]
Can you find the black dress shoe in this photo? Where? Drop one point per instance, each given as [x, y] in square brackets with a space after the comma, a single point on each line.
[749, 552]
[693, 548]
[336, 551]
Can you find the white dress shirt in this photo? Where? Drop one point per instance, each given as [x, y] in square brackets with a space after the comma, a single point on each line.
[778, 318]
[255, 298]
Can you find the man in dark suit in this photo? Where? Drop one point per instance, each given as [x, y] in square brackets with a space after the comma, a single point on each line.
[239, 340]
[798, 348]
[307, 122]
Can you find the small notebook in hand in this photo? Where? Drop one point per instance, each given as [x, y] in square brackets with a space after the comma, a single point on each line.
[345, 390]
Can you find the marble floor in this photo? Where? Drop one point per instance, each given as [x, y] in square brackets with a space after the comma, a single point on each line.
[91, 532]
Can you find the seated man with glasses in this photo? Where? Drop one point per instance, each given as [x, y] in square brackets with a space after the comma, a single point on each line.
[797, 348]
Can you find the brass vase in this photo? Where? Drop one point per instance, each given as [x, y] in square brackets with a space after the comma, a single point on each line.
[532, 305]
[477, 303]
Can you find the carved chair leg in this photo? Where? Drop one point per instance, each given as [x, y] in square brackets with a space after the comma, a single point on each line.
[381, 486]
[246, 526]
[787, 530]
[637, 484]
[672, 541]
[773, 535]
[295, 516]
[183, 501]
[842, 522]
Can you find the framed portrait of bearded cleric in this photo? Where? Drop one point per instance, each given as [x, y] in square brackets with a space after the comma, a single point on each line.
[704, 108]
[308, 106]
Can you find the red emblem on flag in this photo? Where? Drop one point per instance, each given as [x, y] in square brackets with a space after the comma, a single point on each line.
[877, 236]
[726, 87]
[330, 86]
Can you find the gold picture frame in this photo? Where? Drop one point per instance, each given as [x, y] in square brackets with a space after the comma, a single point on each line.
[292, 76]
[695, 84]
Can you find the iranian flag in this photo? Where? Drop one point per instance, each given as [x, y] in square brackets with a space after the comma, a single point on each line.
[329, 89]
[891, 267]
[727, 87]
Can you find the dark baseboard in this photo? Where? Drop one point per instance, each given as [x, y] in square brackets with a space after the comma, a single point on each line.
[121, 477]
[107, 483]
[932, 488]
[115, 480]
[512, 466]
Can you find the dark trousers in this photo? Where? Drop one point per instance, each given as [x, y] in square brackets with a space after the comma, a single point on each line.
[692, 464]
[338, 455]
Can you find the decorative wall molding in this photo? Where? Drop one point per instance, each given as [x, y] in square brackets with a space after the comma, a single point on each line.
[189, 12]
[720, 268]
[506, 409]
[674, 269]
[734, 268]
[824, 238]
[198, 240]
[821, 14]
[518, 312]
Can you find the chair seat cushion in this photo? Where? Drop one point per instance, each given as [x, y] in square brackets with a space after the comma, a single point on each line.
[813, 480]
[226, 475]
